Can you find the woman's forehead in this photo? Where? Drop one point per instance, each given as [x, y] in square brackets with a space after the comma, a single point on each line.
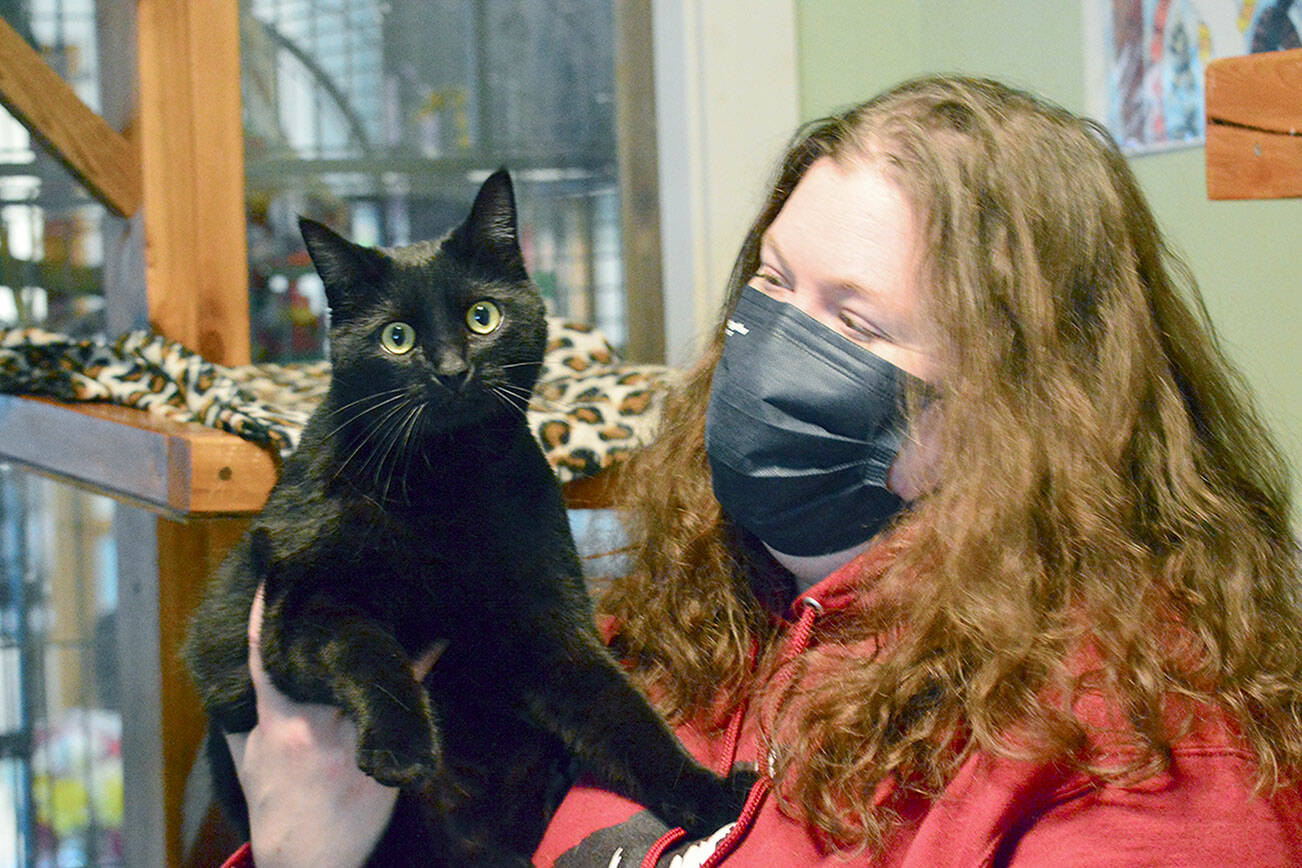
[848, 224]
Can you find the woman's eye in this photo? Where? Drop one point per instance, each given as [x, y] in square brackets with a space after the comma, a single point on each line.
[398, 338]
[766, 280]
[862, 329]
[483, 317]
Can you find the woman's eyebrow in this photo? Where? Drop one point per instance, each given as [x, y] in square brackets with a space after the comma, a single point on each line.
[879, 302]
[770, 245]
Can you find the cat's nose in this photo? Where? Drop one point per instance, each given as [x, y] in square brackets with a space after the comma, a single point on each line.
[454, 380]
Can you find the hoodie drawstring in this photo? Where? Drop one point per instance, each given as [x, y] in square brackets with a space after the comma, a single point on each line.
[801, 635]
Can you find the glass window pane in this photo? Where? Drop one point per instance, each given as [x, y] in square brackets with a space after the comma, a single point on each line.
[51, 230]
[382, 118]
[61, 783]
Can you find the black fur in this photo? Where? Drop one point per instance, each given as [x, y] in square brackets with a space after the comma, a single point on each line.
[418, 508]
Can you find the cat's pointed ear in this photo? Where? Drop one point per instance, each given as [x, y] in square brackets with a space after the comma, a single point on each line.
[348, 270]
[490, 235]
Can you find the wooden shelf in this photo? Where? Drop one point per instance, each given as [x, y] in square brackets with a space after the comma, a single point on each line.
[179, 469]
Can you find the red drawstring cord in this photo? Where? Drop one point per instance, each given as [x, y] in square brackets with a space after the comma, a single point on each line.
[804, 630]
[739, 830]
[730, 742]
[673, 836]
[800, 638]
[663, 843]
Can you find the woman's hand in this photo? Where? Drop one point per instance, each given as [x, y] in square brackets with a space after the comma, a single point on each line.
[309, 804]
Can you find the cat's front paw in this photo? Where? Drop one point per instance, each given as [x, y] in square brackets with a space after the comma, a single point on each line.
[395, 768]
[717, 803]
[233, 710]
[398, 756]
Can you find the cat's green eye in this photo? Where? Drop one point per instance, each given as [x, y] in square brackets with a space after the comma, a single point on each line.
[398, 338]
[483, 317]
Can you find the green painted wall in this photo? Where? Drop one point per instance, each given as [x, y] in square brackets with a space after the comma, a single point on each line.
[1247, 256]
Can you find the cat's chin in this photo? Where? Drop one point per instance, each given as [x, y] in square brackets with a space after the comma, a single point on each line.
[450, 414]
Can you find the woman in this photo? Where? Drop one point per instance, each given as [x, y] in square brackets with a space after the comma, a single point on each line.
[965, 410]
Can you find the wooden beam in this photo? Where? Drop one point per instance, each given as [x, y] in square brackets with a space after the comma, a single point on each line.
[639, 186]
[97, 155]
[193, 162]
[1254, 126]
[176, 468]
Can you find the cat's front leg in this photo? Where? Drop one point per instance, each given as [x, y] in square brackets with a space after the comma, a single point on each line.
[317, 650]
[578, 692]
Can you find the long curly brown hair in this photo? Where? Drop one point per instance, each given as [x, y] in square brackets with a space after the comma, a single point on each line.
[1110, 517]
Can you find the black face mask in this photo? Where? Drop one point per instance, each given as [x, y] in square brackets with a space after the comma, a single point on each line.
[802, 429]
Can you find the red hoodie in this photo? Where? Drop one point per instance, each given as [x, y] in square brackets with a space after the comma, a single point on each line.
[1199, 812]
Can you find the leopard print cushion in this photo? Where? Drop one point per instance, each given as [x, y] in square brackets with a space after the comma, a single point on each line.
[146, 371]
[589, 409]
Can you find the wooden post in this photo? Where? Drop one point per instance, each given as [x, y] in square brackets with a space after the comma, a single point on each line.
[187, 554]
[192, 159]
[196, 267]
[639, 186]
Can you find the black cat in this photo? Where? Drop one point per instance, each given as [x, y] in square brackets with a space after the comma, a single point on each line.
[418, 509]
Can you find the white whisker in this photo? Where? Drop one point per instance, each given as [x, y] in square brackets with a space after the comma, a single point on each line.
[531, 400]
[371, 397]
[402, 429]
[513, 389]
[412, 426]
[509, 400]
[367, 435]
[390, 439]
[359, 414]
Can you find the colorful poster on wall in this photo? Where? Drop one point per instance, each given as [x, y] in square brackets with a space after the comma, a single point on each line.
[1145, 60]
